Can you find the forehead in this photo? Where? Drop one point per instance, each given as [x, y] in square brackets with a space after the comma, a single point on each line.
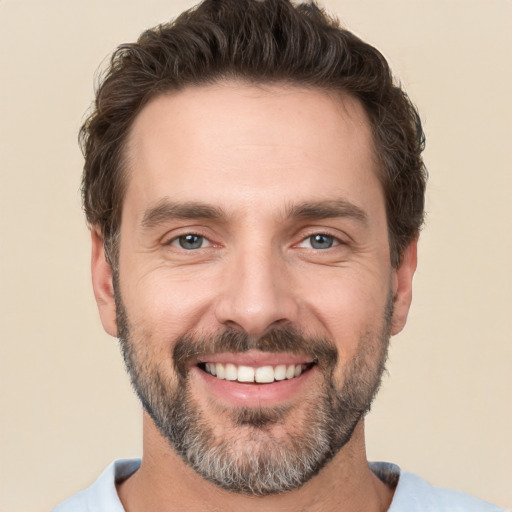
[237, 144]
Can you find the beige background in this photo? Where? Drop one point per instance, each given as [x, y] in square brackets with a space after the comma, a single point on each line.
[445, 409]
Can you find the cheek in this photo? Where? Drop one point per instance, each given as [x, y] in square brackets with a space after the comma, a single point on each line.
[169, 304]
[350, 307]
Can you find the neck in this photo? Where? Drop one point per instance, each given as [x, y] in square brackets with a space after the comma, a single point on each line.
[165, 483]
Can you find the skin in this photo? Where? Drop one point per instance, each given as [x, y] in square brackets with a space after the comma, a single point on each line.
[253, 153]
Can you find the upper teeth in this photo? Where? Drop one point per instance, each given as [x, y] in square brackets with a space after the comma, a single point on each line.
[249, 374]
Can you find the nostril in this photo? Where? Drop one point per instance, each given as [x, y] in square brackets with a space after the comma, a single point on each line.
[280, 323]
[254, 307]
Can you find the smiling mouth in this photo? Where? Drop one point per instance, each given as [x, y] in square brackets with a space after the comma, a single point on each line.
[260, 375]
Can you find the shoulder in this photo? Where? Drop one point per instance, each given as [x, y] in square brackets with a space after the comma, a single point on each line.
[413, 494]
[101, 496]
[425, 496]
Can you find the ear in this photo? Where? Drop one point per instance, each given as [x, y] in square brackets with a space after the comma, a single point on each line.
[402, 286]
[102, 283]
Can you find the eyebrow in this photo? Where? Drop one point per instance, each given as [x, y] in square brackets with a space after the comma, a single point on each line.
[327, 210]
[167, 210]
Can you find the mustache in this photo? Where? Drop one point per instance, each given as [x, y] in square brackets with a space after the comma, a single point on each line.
[278, 339]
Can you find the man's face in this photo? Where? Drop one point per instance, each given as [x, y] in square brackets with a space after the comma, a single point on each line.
[254, 247]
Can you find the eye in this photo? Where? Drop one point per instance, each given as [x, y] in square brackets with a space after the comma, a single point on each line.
[319, 241]
[190, 242]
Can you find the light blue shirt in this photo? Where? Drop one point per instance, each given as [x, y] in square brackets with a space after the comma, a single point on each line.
[412, 494]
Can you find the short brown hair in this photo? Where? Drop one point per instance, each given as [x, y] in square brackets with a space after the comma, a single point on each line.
[261, 41]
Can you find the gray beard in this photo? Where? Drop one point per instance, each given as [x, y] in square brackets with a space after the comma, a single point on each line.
[252, 460]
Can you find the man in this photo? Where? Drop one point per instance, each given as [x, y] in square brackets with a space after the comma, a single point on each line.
[254, 186]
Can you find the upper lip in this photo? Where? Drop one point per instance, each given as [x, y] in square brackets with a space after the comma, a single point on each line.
[254, 358]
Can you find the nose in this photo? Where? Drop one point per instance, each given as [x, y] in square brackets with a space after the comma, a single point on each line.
[257, 293]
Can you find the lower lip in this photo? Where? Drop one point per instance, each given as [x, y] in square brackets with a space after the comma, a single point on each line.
[251, 394]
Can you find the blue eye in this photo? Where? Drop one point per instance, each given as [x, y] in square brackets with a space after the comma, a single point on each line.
[190, 242]
[320, 241]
